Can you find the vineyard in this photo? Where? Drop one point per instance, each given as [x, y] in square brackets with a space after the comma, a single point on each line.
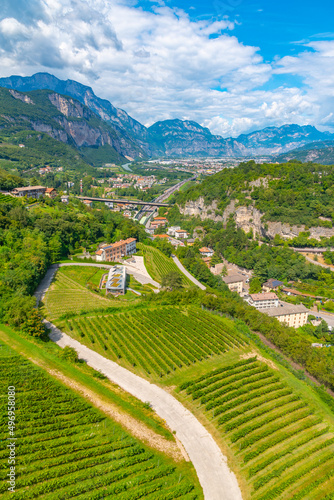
[157, 341]
[65, 448]
[6, 198]
[285, 449]
[66, 295]
[158, 264]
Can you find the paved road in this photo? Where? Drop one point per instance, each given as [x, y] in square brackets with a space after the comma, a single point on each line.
[217, 481]
[184, 270]
[318, 263]
[329, 318]
[136, 267]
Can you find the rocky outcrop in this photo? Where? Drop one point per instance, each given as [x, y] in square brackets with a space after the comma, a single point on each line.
[55, 133]
[22, 97]
[69, 107]
[199, 208]
[250, 218]
[286, 231]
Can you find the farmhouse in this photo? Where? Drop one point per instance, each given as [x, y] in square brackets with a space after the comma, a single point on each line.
[234, 282]
[51, 192]
[206, 252]
[29, 191]
[294, 315]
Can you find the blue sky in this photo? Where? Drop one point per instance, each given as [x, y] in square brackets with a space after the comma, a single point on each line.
[231, 65]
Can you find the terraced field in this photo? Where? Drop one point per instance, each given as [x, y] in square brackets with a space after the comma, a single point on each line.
[67, 449]
[66, 295]
[5, 198]
[285, 448]
[158, 264]
[157, 340]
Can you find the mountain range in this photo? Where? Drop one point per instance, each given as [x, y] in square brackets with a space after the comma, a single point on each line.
[91, 122]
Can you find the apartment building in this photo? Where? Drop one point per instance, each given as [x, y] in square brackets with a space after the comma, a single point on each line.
[29, 191]
[262, 300]
[116, 251]
[294, 315]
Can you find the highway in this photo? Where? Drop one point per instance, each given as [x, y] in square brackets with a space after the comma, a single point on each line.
[125, 202]
[161, 197]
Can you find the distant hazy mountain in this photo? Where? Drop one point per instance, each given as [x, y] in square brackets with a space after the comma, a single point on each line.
[171, 137]
[188, 138]
[281, 139]
[318, 152]
[177, 138]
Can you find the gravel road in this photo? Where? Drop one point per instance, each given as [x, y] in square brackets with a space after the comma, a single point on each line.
[217, 480]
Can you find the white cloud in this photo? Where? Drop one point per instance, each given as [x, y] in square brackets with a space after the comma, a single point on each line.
[159, 64]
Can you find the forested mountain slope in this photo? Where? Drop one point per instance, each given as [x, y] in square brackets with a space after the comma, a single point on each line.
[32, 118]
[293, 193]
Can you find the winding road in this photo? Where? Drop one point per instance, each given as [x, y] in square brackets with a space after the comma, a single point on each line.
[190, 276]
[217, 480]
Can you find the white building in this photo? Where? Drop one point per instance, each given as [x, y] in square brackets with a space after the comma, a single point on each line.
[116, 280]
[181, 233]
[206, 252]
[263, 300]
[171, 230]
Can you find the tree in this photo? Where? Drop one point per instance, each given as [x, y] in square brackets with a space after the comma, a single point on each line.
[255, 286]
[70, 354]
[33, 325]
[172, 281]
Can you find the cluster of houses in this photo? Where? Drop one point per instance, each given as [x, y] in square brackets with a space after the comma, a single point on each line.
[123, 181]
[294, 315]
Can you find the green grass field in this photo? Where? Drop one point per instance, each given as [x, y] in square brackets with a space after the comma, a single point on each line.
[65, 448]
[282, 443]
[158, 264]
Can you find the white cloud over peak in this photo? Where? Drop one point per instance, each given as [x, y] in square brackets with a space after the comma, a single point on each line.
[160, 64]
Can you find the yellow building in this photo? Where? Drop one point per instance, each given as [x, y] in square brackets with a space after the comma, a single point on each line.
[234, 282]
[294, 315]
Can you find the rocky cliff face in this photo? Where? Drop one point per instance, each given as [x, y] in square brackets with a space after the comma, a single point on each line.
[249, 218]
[171, 137]
[75, 124]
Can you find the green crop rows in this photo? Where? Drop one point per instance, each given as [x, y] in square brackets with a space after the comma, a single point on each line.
[65, 448]
[286, 449]
[67, 295]
[157, 340]
[158, 264]
[5, 198]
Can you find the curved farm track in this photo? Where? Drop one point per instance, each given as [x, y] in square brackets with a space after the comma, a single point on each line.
[217, 480]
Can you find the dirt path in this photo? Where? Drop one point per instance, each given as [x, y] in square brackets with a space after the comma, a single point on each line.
[136, 428]
[217, 480]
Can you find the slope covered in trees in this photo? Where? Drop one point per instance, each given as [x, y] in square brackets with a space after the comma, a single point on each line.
[293, 192]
